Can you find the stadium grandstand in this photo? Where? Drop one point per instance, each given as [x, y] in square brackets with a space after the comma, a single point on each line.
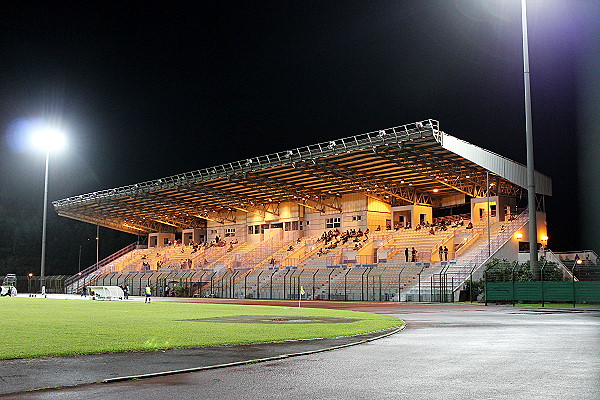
[365, 217]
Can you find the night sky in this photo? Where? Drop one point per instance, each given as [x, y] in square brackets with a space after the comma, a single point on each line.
[146, 90]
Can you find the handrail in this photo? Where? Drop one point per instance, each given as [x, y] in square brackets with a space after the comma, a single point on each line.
[465, 244]
[495, 244]
[435, 248]
[105, 261]
[560, 264]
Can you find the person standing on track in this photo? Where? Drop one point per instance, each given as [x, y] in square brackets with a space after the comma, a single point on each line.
[148, 292]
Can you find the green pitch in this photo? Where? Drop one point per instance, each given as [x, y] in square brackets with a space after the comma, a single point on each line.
[47, 327]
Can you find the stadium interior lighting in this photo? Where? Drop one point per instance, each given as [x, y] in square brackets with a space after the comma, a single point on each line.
[519, 235]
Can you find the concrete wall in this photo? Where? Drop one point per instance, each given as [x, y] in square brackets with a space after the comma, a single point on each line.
[160, 239]
[418, 211]
[195, 235]
[505, 207]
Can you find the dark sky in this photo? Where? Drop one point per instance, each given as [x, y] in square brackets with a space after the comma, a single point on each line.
[150, 89]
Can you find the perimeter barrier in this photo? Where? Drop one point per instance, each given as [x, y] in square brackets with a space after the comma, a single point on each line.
[511, 283]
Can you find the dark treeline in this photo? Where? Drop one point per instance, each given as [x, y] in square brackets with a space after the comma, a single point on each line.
[21, 238]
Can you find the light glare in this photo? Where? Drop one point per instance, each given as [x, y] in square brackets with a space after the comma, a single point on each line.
[48, 139]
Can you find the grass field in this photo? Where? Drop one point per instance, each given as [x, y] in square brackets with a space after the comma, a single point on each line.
[36, 327]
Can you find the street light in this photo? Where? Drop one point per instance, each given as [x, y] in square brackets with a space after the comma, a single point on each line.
[29, 275]
[529, 143]
[47, 139]
[80, 246]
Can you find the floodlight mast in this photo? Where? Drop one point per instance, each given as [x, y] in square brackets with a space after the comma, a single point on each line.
[48, 139]
[43, 259]
[533, 251]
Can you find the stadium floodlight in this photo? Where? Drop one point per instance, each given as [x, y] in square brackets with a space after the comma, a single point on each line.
[47, 138]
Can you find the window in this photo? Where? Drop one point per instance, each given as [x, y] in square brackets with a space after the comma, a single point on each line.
[250, 230]
[277, 225]
[332, 223]
[356, 217]
[294, 225]
[287, 226]
[229, 232]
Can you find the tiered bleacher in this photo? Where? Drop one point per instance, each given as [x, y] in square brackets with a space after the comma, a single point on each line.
[334, 266]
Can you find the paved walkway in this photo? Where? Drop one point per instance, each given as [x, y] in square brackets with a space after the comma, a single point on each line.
[446, 351]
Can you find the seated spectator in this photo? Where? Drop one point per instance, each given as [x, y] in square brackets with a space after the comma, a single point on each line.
[470, 225]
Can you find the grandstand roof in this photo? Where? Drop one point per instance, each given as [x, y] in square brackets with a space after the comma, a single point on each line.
[415, 163]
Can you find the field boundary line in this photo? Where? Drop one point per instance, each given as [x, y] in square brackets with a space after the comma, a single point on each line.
[392, 331]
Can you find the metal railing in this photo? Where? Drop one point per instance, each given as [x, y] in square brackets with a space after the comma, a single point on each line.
[475, 262]
[514, 283]
[100, 264]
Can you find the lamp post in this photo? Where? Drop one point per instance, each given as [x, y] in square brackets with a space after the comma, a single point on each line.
[529, 143]
[47, 139]
[29, 275]
[79, 263]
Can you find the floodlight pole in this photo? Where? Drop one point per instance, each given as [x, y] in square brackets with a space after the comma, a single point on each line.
[97, 246]
[43, 260]
[529, 142]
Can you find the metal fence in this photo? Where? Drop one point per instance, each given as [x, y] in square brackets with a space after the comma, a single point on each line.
[511, 283]
[54, 284]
